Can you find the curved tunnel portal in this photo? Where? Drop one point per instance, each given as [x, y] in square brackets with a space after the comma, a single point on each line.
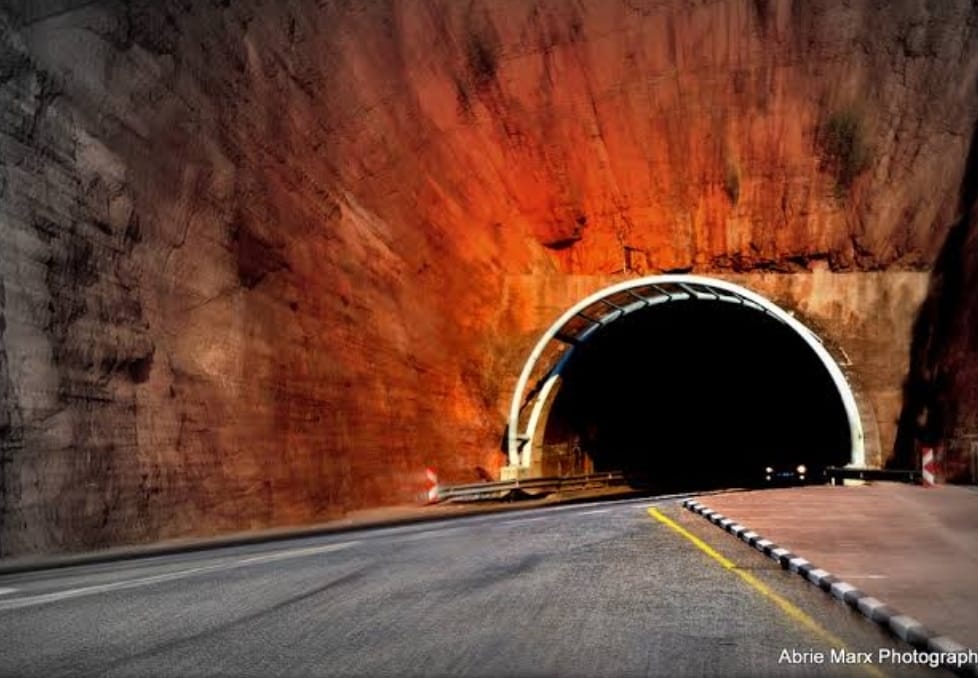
[691, 395]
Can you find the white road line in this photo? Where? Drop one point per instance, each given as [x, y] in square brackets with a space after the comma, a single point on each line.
[30, 601]
[294, 553]
[429, 534]
[862, 576]
[594, 512]
[523, 521]
[5, 591]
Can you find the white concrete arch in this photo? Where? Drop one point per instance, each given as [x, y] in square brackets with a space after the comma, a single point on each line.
[643, 293]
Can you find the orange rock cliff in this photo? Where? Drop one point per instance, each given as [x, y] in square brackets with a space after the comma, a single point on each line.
[261, 263]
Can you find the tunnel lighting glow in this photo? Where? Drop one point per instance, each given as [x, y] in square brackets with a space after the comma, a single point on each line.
[801, 469]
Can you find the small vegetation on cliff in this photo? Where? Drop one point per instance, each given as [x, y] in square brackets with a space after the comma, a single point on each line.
[844, 148]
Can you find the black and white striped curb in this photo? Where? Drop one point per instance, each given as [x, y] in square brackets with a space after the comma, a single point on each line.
[906, 628]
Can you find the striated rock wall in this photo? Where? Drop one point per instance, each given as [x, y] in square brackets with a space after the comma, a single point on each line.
[253, 256]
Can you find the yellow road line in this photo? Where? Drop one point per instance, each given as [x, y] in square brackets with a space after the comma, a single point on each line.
[792, 611]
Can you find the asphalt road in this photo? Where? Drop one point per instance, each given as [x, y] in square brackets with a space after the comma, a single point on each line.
[606, 589]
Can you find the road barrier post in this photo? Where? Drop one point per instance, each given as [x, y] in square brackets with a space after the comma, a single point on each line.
[928, 467]
[433, 489]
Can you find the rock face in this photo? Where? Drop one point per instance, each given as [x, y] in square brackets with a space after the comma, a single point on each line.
[940, 404]
[254, 256]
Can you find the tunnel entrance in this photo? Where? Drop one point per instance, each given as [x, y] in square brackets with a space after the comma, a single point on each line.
[694, 396]
[681, 382]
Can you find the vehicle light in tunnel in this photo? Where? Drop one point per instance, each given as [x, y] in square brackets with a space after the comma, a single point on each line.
[801, 469]
[769, 470]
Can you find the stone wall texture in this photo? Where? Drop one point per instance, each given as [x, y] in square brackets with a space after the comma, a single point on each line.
[257, 258]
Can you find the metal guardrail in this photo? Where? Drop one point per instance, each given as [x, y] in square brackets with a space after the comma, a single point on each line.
[835, 474]
[530, 487]
[503, 489]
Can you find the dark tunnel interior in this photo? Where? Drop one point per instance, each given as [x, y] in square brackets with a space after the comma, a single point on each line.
[696, 395]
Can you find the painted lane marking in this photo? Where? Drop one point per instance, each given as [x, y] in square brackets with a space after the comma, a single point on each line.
[523, 521]
[430, 534]
[594, 512]
[6, 591]
[787, 607]
[292, 553]
[41, 599]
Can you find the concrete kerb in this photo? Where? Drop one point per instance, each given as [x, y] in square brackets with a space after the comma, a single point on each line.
[904, 627]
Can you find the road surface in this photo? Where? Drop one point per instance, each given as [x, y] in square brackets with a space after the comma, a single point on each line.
[605, 589]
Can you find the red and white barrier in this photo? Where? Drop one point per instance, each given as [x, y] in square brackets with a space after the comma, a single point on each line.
[928, 467]
[432, 483]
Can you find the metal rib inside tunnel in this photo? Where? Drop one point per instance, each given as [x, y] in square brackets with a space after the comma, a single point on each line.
[724, 378]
